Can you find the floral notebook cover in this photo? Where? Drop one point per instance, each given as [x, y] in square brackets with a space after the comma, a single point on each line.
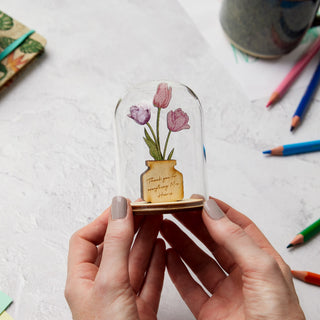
[11, 30]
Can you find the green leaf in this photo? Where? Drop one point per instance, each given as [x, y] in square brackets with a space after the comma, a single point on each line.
[147, 135]
[6, 22]
[31, 46]
[28, 46]
[3, 70]
[170, 154]
[153, 150]
[153, 147]
[5, 42]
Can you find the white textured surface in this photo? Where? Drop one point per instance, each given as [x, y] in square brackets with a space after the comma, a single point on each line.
[57, 146]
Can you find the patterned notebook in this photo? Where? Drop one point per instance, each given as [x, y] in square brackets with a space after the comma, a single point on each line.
[11, 30]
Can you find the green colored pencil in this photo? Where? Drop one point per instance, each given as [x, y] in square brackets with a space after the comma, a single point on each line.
[306, 234]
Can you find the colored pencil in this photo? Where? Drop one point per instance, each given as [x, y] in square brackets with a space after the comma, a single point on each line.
[307, 276]
[306, 99]
[305, 234]
[294, 73]
[295, 148]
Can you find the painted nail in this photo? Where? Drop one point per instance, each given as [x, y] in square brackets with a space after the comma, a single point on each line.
[118, 208]
[213, 210]
[197, 196]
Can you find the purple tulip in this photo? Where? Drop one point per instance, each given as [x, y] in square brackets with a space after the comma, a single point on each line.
[177, 120]
[140, 115]
[163, 96]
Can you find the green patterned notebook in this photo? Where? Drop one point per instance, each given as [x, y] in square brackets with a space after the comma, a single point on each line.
[11, 30]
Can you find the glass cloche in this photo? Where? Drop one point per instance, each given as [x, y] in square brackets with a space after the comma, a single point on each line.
[160, 150]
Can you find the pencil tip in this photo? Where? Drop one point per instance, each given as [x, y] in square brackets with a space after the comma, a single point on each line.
[289, 245]
[292, 128]
[266, 152]
[274, 98]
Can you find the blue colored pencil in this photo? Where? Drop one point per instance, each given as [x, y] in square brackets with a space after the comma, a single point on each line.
[306, 99]
[295, 148]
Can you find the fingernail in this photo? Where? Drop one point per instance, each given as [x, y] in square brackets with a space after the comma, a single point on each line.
[118, 208]
[197, 196]
[213, 210]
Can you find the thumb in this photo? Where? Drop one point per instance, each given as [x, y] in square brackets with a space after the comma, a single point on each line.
[113, 271]
[245, 252]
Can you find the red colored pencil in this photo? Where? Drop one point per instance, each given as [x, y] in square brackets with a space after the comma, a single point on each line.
[307, 276]
[294, 73]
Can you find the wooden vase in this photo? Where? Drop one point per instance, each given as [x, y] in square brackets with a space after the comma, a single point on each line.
[161, 182]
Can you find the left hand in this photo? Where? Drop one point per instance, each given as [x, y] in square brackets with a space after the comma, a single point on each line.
[108, 277]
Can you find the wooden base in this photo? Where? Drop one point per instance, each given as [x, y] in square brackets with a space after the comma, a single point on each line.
[142, 207]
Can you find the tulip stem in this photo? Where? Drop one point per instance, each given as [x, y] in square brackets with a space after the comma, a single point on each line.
[165, 146]
[158, 138]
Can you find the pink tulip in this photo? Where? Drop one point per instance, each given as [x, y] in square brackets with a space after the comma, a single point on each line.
[163, 96]
[177, 120]
[140, 115]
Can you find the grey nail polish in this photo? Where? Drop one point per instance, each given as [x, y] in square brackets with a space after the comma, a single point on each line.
[213, 210]
[118, 208]
[197, 196]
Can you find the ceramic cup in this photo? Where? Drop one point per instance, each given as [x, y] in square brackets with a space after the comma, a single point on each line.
[267, 28]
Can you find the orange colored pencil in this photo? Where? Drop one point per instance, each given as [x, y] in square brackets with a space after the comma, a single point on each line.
[307, 276]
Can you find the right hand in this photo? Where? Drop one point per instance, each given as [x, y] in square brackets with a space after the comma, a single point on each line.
[250, 280]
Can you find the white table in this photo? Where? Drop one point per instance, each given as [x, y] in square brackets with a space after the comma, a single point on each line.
[57, 145]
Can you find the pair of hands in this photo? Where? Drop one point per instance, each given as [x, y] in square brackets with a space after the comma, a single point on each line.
[116, 267]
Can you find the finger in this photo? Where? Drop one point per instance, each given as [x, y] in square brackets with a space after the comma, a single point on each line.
[245, 223]
[204, 267]
[137, 224]
[99, 255]
[138, 219]
[82, 248]
[190, 291]
[193, 222]
[255, 233]
[247, 254]
[152, 286]
[113, 272]
[142, 250]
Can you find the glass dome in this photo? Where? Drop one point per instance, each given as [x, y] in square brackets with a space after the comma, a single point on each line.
[160, 151]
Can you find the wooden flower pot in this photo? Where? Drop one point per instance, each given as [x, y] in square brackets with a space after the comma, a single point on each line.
[161, 182]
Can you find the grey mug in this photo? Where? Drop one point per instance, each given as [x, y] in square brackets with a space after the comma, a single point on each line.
[268, 28]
